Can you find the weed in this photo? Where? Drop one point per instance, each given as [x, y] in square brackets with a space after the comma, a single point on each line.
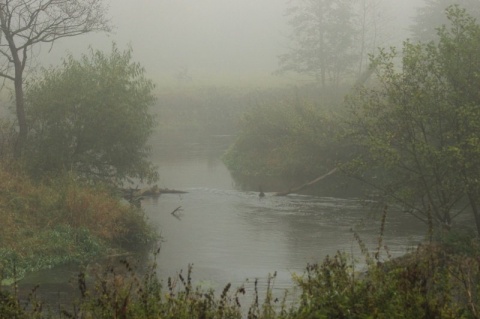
[62, 220]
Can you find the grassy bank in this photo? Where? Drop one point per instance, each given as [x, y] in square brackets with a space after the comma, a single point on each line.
[58, 221]
[62, 220]
[432, 281]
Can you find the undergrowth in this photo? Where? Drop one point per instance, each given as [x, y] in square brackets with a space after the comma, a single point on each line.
[62, 220]
[432, 281]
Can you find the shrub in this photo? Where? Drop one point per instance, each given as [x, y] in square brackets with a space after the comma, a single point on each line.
[284, 139]
[92, 116]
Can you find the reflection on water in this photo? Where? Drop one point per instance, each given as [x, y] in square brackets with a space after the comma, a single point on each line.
[230, 234]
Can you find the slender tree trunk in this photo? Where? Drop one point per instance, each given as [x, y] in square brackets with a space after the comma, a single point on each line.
[19, 60]
[32, 22]
[313, 182]
[22, 120]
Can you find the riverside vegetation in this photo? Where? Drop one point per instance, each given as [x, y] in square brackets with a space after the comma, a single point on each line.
[62, 221]
[410, 134]
[65, 189]
[60, 200]
[439, 279]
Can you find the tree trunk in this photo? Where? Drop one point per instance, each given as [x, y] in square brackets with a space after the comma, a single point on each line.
[22, 120]
[316, 180]
[19, 65]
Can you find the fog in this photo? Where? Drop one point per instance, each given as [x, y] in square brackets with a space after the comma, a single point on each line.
[210, 41]
[225, 54]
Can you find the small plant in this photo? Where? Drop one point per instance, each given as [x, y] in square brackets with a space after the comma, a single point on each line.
[120, 292]
[9, 307]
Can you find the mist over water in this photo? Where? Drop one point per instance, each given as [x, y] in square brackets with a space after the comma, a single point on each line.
[224, 229]
[230, 234]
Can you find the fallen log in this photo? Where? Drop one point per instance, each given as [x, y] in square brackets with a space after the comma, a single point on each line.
[311, 183]
[158, 191]
[131, 193]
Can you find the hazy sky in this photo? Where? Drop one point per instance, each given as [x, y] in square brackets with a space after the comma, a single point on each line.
[209, 38]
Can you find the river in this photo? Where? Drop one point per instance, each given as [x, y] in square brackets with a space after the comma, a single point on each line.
[230, 234]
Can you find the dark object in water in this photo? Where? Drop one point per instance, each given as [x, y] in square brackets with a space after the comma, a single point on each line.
[174, 213]
[261, 194]
[150, 191]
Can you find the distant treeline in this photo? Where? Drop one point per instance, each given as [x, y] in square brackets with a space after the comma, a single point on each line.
[219, 110]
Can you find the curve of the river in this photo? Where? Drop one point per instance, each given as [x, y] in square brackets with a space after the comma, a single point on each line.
[230, 234]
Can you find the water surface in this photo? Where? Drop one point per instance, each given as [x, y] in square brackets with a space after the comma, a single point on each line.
[230, 234]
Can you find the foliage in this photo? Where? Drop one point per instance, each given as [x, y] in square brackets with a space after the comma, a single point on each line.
[27, 24]
[431, 16]
[428, 282]
[7, 139]
[284, 139]
[62, 221]
[431, 281]
[323, 40]
[419, 127]
[121, 293]
[9, 307]
[49, 248]
[92, 116]
[420, 285]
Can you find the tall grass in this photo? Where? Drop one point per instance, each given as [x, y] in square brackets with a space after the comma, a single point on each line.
[45, 224]
[435, 280]
[429, 282]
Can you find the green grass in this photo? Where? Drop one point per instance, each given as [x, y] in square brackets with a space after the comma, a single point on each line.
[60, 221]
[429, 282]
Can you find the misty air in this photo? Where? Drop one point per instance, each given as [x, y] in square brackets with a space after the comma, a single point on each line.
[257, 159]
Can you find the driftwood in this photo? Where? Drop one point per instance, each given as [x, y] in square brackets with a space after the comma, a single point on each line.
[311, 183]
[133, 193]
[176, 210]
[174, 213]
[155, 191]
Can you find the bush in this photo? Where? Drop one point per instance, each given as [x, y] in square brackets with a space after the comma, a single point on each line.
[9, 307]
[288, 140]
[92, 116]
[428, 282]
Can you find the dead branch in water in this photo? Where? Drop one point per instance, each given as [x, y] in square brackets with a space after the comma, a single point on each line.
[175, 211]
[311, 183]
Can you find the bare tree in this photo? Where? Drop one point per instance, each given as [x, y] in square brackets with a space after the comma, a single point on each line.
[372, 26]
[26, 23]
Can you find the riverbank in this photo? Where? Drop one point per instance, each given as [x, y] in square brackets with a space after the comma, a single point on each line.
[60, 221]
[431, 281]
